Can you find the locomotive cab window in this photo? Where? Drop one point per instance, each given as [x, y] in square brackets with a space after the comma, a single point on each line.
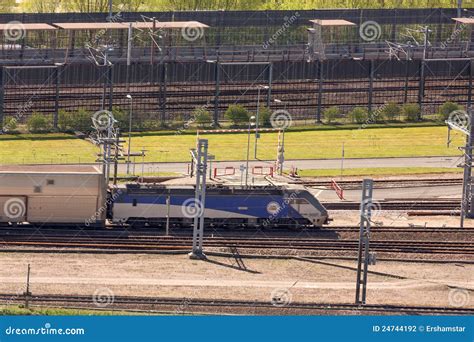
[298, 201]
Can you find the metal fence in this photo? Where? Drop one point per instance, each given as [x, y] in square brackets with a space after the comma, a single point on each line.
[244, 36]
[167, 93]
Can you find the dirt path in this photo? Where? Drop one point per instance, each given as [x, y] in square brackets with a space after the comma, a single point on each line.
[177, 276]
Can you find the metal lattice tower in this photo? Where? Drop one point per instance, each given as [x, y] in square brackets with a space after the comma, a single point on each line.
[364, 256]
[280, 152]
[107, 137]
[467, 205]
[200, 160]
[462, 121]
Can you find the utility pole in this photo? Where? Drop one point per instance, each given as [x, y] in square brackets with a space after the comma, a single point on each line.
[27, 293]
[129, 54]
[257, 134]
[110, 10]
[107, 136]
[421, 90]
[462, 122]
[364, 257]
[200, 159]
[467, 205]
[280, 151]
[129, 132]
[252, 118]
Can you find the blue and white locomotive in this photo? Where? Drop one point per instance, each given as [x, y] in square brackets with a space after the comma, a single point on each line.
[145, 204]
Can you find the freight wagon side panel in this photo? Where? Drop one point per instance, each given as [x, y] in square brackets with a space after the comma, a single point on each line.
[62, 209]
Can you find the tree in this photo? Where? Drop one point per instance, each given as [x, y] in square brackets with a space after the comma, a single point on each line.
[358, 115]
[391, 111]
[331, 113]
[411, 111]
[202, 116]
[38, 123]
[446, 109]
[87, 6]
[264, 115]
[41, 6]
[7, 6]
[237, 114]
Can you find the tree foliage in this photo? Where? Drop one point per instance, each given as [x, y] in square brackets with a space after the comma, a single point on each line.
[41, 6]
[7, 6]
[237, 114]
[82, 6]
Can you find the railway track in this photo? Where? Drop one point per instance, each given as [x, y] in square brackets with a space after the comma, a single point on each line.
[449, 207]
[116, 230]
[384, 183]
[183, 97]
[190, 305]
[167, 243]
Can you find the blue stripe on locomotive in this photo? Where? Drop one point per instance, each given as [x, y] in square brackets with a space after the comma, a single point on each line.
[256, 205]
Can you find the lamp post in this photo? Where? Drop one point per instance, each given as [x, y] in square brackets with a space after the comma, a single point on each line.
[258, 117]
[110, 10]
[129, 132]
[251, 122]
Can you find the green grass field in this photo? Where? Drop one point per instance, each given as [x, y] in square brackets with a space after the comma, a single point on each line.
[364, 143]
[17, 310]
[305, 144]
[50, 148]
[378, 171]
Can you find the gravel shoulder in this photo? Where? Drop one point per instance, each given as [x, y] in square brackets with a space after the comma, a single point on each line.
[223, 278]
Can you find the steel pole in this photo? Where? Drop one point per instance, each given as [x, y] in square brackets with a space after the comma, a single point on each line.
[129, 54]
[256, 122]
[248, 156]
[129, 135]
[110, 10]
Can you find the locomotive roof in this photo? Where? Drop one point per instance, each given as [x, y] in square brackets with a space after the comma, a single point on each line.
[50, 169]
[144, 188]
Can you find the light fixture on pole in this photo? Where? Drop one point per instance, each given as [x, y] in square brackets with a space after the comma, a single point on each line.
[251, 123]
[257, 136]
[129, 132]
